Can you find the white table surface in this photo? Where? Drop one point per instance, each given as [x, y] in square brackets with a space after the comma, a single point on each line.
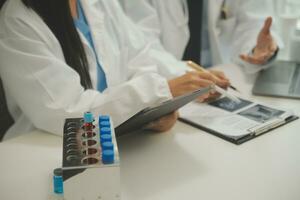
[184, 163]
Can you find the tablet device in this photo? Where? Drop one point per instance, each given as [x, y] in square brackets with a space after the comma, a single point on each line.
[155, 112]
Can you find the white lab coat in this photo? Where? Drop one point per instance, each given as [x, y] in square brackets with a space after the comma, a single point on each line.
[168, 21]
[42, 90]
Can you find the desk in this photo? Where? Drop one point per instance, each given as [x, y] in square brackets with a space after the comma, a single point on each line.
[184, 163]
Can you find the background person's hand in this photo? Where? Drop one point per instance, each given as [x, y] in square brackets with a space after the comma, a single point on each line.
[163, 124]
[265, 46]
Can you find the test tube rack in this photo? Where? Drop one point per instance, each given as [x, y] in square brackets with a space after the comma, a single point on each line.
[91, 167]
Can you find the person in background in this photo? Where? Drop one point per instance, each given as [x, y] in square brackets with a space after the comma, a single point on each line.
[60, 58]
[210, 32]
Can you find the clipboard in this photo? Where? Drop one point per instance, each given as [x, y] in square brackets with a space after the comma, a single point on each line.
[157, 111]
[238, 139]
[236, 123]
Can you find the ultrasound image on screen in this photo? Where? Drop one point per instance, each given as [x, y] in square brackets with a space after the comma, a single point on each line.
[261, 113]
[229, 105]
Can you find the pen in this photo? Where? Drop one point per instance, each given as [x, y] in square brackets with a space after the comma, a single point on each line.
[217, 88]
[230, 96]
[197, 67]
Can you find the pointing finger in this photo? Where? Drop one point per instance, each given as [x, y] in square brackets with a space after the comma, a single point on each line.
[267, 26]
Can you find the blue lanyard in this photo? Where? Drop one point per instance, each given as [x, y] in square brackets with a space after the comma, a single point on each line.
[82, 24]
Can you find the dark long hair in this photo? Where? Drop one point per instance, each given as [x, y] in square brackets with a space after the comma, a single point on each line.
[57, 15]
[1, 3]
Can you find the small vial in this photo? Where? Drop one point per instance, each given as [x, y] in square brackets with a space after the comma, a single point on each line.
[58, 181]
[88, 123]
[88, 117]
[108, 157]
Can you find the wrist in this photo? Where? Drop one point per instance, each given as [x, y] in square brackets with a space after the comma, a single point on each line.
[271, 55]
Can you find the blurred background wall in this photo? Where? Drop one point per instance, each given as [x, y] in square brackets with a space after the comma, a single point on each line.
[288, 18]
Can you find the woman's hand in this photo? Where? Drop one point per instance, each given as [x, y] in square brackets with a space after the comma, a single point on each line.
[220, 78]
[184, 84]
[221, 81]
[163, 124]
[195, 80]
[190, 82]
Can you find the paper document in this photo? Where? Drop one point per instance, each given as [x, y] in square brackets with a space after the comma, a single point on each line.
[234, 119]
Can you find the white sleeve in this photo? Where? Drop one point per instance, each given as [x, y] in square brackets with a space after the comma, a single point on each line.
[47, 90]
[250, 18]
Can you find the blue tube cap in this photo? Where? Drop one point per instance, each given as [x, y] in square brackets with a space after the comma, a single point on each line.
[107, 146]
[108, 157]
[88, 117]
[105, 138]
[105, 124]
[105, 130]
[103, 118]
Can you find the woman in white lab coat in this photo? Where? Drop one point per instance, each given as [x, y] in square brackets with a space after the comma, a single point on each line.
[232, 37]
[49, 69]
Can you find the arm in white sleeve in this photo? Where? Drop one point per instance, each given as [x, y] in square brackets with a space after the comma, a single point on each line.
[47, 90]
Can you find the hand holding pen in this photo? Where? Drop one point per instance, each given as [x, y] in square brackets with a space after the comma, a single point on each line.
[219, 76]
[219, 79]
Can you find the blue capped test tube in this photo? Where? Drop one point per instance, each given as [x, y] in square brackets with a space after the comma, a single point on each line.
[58, 181]
[88, 124]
